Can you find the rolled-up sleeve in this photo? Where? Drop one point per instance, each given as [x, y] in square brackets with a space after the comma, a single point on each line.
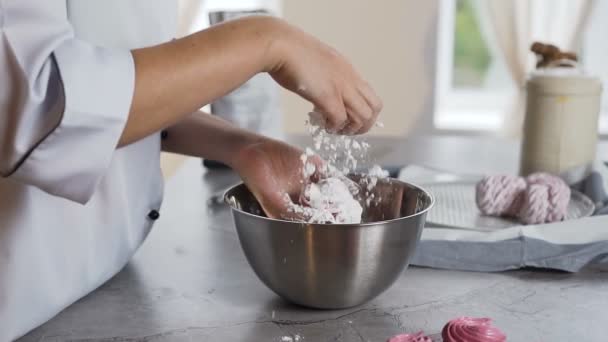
[63, 102]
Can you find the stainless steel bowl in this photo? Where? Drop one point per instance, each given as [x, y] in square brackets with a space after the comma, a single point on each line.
[333, 266]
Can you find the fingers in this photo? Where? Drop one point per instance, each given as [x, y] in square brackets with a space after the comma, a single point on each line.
[321, 170]
[363, 107]
[321, 75]
[332, 108]
[374, 103]
[370, 96]
[274, 205]
[313, 170]
[358, 111]
[352, 110]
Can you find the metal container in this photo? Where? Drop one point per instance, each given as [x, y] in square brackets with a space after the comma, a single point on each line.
[333, 266]
[561, 124]
[256, 104]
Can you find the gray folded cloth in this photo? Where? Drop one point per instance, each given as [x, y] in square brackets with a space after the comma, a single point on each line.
[567, 246]
[594, 187]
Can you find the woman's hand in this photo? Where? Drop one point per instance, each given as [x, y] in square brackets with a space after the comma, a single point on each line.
[318, 73]
[272, 170]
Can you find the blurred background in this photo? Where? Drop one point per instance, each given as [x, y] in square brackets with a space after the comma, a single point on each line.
[441, 66]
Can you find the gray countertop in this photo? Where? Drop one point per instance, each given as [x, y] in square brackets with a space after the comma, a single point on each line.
[190, 280]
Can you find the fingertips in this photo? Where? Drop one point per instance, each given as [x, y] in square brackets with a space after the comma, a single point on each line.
[333, 110]
[321, 172]
[368, 125]
[352, 110]
[352, 127]
[359, 112]
[275, 205]
[373, 102]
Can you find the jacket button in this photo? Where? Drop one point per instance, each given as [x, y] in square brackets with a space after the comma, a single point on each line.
[153, 215]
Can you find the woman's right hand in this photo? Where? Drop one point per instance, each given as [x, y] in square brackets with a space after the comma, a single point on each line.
[303, 64]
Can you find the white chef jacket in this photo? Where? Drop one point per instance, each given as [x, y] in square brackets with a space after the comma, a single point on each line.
[73, 208]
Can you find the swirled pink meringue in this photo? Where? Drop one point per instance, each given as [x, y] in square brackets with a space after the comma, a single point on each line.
[469, 329]
[419, 337]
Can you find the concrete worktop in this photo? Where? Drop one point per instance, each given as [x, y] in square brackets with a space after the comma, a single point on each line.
[191, 282]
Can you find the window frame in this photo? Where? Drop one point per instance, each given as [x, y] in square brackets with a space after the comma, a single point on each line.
[478, 111]
[592, 51]
[483, 108]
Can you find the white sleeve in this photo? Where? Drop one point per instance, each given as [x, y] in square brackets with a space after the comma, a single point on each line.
[63, 102]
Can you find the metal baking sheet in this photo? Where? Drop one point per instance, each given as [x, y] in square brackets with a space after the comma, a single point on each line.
[455, 207]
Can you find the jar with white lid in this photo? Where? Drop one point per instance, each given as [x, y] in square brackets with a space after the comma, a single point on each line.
[561, 123]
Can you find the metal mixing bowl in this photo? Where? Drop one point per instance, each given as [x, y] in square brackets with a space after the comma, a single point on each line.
[333, 266]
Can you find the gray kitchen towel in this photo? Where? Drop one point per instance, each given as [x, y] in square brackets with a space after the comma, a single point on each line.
[594, 187]
[567, 246]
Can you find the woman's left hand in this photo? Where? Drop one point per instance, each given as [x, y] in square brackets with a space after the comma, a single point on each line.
[273, 171]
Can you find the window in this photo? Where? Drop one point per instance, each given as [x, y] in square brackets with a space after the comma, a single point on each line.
[472, 56]
[473, 84]
[595, 54]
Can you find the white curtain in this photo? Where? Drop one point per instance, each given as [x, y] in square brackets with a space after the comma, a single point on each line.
[516, 24]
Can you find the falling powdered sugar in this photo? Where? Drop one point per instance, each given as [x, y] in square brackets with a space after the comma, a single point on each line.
[334, 198]
[374, 174]
[377, 171]
[331, 201]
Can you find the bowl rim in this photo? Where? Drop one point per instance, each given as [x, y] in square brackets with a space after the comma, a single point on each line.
[340, 225]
